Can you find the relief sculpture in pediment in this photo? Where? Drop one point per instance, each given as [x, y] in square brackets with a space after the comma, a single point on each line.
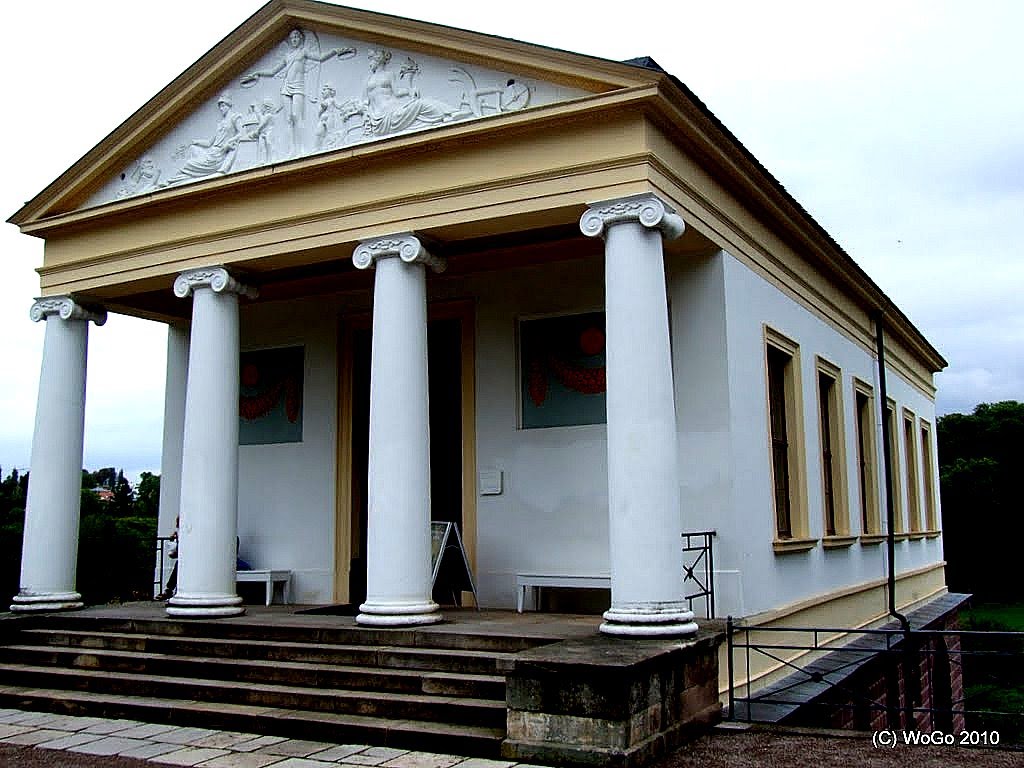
[310, 94]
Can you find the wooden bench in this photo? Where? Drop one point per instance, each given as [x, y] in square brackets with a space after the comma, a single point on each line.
[270, 578]
[537, 581]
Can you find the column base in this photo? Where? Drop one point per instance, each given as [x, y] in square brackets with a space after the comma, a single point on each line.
[666, 620]
[26, 602]
[383, 614]
[209, 606]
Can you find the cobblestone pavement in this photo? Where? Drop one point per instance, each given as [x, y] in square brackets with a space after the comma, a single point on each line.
[176, 745]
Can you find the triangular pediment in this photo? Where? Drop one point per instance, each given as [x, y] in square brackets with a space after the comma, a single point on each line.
[301, 79]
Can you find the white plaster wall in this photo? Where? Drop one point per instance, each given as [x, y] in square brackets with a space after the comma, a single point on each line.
[552, 516]
[754, 578]
[286, 495]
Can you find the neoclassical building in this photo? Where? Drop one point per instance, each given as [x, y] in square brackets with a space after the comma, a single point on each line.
[415, 273]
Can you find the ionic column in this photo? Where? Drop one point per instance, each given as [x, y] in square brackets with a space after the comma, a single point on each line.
[49, 553]
[643, 471]
[208, 512]
[175, 385]
[398, 525]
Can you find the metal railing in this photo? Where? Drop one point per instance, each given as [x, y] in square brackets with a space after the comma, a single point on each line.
[699, 570]
[161, 560]
[951, 681]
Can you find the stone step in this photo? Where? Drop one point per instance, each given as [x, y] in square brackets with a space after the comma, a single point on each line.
[381, 704]
[316, 675]
[382, 656]
[474, 741]
[434, 637]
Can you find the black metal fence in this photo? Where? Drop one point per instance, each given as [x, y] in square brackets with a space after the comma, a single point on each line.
[699, 572]
[159, 571]
[963, 684]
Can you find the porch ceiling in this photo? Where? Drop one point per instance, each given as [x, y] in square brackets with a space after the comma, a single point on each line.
[329, 270]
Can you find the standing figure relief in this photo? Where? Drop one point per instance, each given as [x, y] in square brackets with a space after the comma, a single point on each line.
[294, 65]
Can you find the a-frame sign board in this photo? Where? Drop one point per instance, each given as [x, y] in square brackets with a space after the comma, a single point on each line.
[446, 548]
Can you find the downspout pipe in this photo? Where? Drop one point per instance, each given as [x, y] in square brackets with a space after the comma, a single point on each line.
[890, 506]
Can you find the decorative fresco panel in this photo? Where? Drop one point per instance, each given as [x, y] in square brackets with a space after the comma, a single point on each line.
[270, 399]
[562, 375]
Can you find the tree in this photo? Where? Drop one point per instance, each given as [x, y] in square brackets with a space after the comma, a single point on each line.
[981, 455]
[123, 503]
[147, 495]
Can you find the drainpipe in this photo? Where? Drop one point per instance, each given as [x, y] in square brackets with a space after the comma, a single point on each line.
[890, 508]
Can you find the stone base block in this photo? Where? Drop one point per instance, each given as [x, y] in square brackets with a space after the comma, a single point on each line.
[611, 701]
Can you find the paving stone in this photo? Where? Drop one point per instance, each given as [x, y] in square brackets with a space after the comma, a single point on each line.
[13, 730]
[304, 762]
[73, 722]
[12, 715]
[190, 756]
[334, 754]
[480, 762]
[295, 748]
[37, 719]
[244, 760]
[33, 736]
[183, 735]
[149, 749]
[72, 740]
[109, 745]
[374, 756]
[147, 731]
[112, 726]
[223, 739]
[422, 760]
[257, 743]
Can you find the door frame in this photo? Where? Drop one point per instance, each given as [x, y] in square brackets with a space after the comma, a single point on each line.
[463, 310]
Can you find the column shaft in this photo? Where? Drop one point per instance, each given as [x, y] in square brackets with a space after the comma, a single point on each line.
[208, 524]
[175, 385]
[50, 547]
[398, 526]
[645, 518]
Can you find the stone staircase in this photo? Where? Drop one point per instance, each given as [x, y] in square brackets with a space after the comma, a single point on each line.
[431, 690]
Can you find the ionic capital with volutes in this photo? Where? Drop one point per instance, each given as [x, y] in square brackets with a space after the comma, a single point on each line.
[66, 308]
[218, 279]
[405, 246]
[646, 209]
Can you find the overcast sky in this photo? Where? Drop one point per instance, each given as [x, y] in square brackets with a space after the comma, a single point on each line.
[898, 125]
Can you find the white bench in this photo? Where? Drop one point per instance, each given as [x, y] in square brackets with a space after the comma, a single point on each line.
[270, 578]
[536, 581]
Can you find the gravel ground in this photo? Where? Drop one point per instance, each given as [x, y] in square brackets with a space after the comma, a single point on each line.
[763, 747]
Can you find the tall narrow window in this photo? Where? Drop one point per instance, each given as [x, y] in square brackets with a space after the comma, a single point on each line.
[826, 385]
[913, 501]
[867, 460]
[833, 454]
[786, 443]
[893, 448]
[931, 520]
[778, 362]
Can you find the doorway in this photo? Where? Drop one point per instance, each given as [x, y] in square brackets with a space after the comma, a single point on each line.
[451, 414]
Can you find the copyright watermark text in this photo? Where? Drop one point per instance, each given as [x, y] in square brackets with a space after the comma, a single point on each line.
[891, 739]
